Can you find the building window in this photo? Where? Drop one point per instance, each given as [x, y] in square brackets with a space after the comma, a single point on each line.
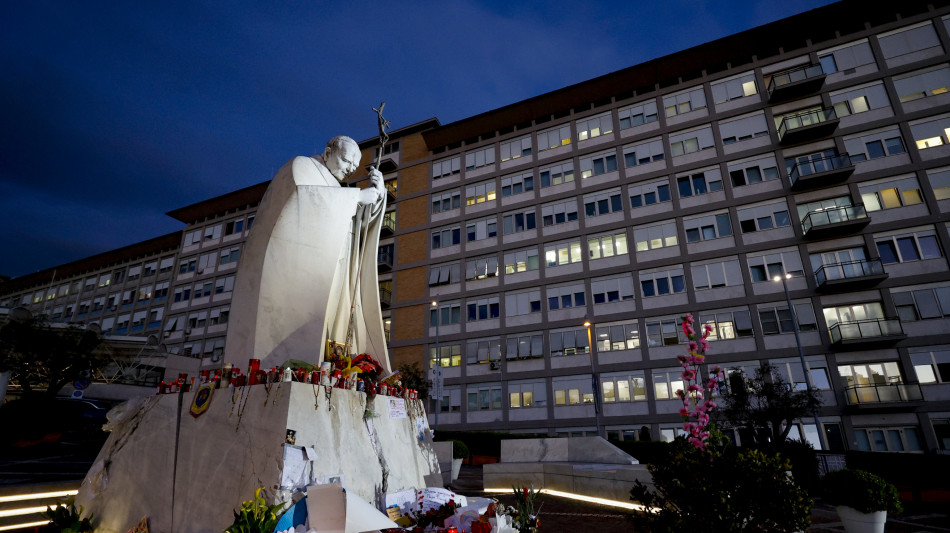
[188, 264]
[568, 341]
[527, 394]
[649, 194]
[483, 397]
[391, 148]
[940, 182]
[191, 238]
[684, 102]
[182, 294]
[890, 193]
[557, 174]
[924, 83]
[612, 289]
[859, 100]
[451, 401]
[664, 331]
[662, 282]
[521, 261]
[444, 274]
[516, 148]
[875, 145]
[446, 201]
[908, 40]
[727, 324]
[482, 350]
[911, 246]
[554, 137]
[150, 269]
[481, 229]
[515, 185]
[888, 439]
[598, 164]
[212, 233]
[666, 382]
[481, 268]
[624, 387]
[562, 253]
[734, 88]
[449, 355]
[642, 153]
[558, 213]
[607, 245]
[595, 126]
[525, 346]
[446, 315]
[655, 237]
[717, 274]
[483, 309]
[743, 128]
[921, 304]
[446, 167]
[764, 217]
[573, 390]
[161, 292]
[752, 172]
[931, 365]
[480, 158]
[445, 237]
[846, 57]
[691, 141]
[699, 183]
[230, 255]
[566, 297]
[617, 336]
[517, 222]
[219, 315]
[603, 203]
[931, 132]
[764, 268]
[523, 302]
[637, 115]
[853, 313]
[707, 227]
[778, 319]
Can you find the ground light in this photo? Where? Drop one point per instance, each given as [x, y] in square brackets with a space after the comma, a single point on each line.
[30, 510]
[581, 497]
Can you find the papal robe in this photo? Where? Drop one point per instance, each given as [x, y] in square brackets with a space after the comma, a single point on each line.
[308, 266]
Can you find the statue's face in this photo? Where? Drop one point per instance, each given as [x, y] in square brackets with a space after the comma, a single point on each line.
[341, 162]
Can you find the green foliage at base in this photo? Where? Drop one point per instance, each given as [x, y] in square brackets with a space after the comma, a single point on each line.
[725, 489]
[256, 516]
[66, 519]
[459, 450]
[860, 490]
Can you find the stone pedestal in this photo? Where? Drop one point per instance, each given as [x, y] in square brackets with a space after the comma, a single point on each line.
[187, 474]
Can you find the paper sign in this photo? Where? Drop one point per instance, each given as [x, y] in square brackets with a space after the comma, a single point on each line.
[297, 469]
[397, 408]
[466, 515]
[404, 499]
[393, 513]
[434, 497]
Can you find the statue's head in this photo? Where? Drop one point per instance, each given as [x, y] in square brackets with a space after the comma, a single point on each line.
[341, 156]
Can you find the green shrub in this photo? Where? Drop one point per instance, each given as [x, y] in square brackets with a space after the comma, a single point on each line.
[459, 450]
[256, 516]
[66, 519]
[860, 490]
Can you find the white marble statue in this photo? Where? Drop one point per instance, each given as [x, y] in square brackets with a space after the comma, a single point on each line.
[309, 265]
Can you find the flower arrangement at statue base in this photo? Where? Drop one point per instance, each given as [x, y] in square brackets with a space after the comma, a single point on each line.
[522, 516]
[704, 485]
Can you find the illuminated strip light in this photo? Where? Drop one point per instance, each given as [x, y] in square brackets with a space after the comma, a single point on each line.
[38, 495]
[27, 510]
[24, 526]
[581, 497]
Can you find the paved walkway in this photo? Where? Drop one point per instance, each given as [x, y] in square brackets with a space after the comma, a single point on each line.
[561, 514]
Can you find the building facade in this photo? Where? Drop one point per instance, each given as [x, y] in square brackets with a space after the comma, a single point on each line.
[814, 149]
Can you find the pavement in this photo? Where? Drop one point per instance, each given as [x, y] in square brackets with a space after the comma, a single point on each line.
[562, 515]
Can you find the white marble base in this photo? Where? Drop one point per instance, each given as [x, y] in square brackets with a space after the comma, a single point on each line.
[238, 445]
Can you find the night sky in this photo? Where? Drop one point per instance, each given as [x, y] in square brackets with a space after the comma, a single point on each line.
[114, 113]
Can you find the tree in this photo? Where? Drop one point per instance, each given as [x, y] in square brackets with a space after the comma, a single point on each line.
[766, 401]
[39, 354]
[413, 377]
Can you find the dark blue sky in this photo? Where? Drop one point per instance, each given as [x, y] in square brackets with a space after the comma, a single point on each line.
[114, 113]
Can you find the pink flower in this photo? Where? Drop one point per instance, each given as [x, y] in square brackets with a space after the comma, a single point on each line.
[682, 359]
[684, 411]
[689, 374]
[693, 346]
[693, 388]
[703, 345]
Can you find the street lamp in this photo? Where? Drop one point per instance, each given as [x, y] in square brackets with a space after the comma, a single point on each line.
[595, 379]
[801, 354]
[437, 370]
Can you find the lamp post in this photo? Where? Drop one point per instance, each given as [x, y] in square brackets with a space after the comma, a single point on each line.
[801, 353]
[437, 370]
[595, 380]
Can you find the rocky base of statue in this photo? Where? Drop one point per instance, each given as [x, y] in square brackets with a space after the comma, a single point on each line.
[187, 473]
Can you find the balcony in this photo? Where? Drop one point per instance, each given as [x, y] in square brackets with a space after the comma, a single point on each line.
[835, 221]
[850, 275]
[795, 83]
[390, 191]
[866, 333]
[821, 172]
[384, 261]
[389, 224]
[883, 393]
[385, 297]
[807, 126]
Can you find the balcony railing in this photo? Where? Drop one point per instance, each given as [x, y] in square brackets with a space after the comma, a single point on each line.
[384, 260]
[391, 189]
[850, 270]
[385, 296]
[835, 220]
[885, 393]
[820, 171]
[807, 125]
[866, 330]
[389, 223]
[795, 82]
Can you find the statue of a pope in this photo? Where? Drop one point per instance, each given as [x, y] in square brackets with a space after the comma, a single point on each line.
[308, 270]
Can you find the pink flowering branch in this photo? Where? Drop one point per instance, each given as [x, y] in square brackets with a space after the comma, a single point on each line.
[697, 398]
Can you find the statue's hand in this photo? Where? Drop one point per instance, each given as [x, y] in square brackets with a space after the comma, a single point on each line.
[376, 191]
